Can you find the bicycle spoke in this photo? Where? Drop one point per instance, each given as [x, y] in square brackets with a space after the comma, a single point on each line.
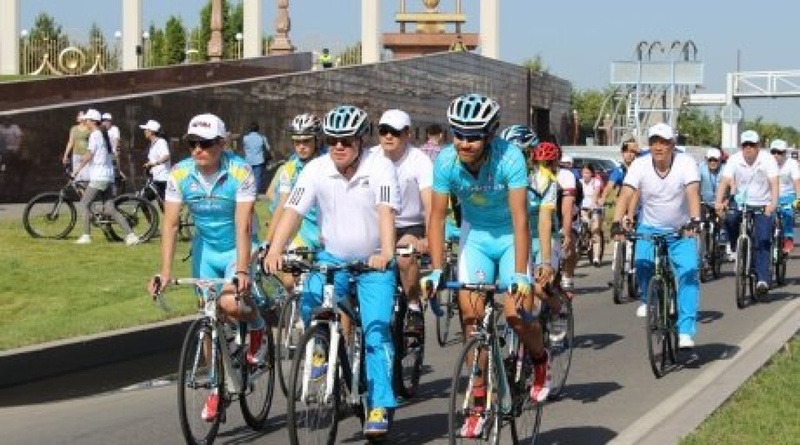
[198, 375]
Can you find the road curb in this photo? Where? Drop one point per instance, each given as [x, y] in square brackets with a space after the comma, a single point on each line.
[57, 358]
[686, 409]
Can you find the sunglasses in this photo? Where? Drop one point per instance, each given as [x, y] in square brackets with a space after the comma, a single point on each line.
[384, 130]
[749, 144]
[777, 152]
[348, 141]
[205, 144]
[713, 159]
[473, 137]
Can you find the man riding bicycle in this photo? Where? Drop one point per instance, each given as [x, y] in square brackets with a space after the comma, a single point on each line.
[789, 190]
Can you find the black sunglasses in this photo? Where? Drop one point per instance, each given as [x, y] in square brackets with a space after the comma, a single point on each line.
[713, 159]
[348, 141]
[383, 130]
[475, 137]
[777, 152]
[202, 143]
[749, 144]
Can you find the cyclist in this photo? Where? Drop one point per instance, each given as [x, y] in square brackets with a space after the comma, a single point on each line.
[669, 186]
[415, 176]
[789, 190]
[710, 174]
[629, 149]
[753, 174]
[158, 159]
[568, 196]
[305, 132]
[488, 175]
[356, 195]
[591, 210]
[99, 159]
[219, 189]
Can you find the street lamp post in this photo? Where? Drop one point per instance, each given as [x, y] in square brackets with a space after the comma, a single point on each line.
[145, 49]
[117, 50]
[24, 68]
[239, 37]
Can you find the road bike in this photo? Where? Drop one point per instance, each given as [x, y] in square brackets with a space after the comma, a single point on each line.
[213, 359]
[495, 353]
[149, 192]
[446, 305]
[54, 214]
[661, 323]
[328, 379]
[711, 252]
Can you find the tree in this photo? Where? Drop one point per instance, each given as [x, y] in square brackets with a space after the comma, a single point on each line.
[45, 37]
[175, 41]
[589, 105]
[535, 65]
[232, 22]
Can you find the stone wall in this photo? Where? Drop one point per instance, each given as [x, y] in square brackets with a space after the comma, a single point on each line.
[422, 86]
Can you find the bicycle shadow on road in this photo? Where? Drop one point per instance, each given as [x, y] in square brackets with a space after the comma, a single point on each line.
[412, 430]
[595, 341]
[588, 392]
[706, 317]
[577, 435]
[704, 354]
[244, 434]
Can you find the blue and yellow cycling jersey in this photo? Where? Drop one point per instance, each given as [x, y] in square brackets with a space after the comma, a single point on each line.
[542, 193]
[309, 233]
[212, 201]
[484, 199]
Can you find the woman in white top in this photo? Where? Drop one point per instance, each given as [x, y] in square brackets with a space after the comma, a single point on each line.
[158, 160]
[591, 211]
[99, 160]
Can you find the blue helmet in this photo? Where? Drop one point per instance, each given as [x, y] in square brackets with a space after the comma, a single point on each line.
[521, 135]
[474, 113]
[345, 120]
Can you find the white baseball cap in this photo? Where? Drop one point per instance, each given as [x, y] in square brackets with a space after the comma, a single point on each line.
[713, 153]
[749, 137]
[106, 116]
[92, 114]
[151, 125]
[779, 144]
[661, 130]
[566, 158]
[397, 119]
[206, 126]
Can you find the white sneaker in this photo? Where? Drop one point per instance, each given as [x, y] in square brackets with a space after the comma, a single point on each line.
[685, 341]
[641, 311]
[567, 283]
[84, 239]
[131, 239]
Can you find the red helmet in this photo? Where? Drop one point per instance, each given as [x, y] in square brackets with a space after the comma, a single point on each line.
[546, 151]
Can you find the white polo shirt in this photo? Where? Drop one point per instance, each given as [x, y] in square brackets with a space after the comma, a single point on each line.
[751, 182]
[663, 199]
[787, 174]
[158, 150]
[347, 210]
[414, 174]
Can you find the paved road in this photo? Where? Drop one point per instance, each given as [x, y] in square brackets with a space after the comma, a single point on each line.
[610, 385]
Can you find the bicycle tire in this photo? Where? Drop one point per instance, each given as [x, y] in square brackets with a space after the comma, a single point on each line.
[561, 349]
[656, 326]
[742, 272]
[256, 379]
[409, 352]
[140, 214]
[458, 390]
[715, 258]
[49, 215]
[618, 273]
[702, 252]
[287, 338]
[305, 417]
[447, 299]
[779, 260]
[191, 379]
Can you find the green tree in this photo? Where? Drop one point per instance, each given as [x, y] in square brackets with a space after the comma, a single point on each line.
[45, 37]
[589, 105]
[697, 127]
[535, 65]
[232, 22]
[175, 41]
[96, 46]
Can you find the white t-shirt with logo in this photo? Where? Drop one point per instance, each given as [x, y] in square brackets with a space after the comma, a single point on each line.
[787, 174]
[663, 200]
[158, 150]
[414, 174]
[347, 210]
[101, 167]
[751, 182]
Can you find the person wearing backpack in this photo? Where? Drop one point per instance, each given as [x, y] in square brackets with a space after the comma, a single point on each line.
[99, 160]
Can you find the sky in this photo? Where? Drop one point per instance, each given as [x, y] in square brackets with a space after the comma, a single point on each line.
[576, 40]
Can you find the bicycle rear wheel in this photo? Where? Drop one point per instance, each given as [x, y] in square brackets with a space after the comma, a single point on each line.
[462, 404]
[742, 271]
[779, 259]
[198, 376]
[49, 215]
[256, 399]
[618, 272]
[290, 331]
[656, 326]
[312, 419]
[560, 335]
[140, 214]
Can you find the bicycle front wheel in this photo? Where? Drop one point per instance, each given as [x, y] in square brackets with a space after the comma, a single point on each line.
[742, 271]
[140, 214]
[313, 416]
[409, 353]
[560, 335]
[779, 259]
[656, 326]
[448, 304]
[49, 215]
[256, 400]
[199, 375]
[290, 330]
[466, 415]
[618, 272]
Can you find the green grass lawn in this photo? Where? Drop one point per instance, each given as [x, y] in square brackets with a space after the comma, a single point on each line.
[55, 289]
[764, 410]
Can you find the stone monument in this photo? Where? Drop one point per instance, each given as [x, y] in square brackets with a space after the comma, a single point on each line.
[283, 24]
[430, 34]
[215, 42]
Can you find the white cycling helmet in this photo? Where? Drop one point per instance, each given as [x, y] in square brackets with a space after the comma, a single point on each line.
[345, 120]
[305, 124]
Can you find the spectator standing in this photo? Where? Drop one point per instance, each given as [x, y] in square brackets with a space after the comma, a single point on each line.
[76, 148]
[256, 153]
[435, 138]
[158, 162]
[325, 59]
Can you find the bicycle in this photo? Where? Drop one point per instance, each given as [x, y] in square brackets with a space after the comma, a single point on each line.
[778, 257]
[149, 193]
[710, 249]
[745, 269]
[508, 377]
[583, 235]
[409, 344]
[623, 272]
[661, 324]
[53, 214]
[213, 358]
[316, 403]
[446, 302]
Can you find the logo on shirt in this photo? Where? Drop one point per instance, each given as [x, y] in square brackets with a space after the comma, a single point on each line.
[480, 275]
[385, 193]
[297, 194]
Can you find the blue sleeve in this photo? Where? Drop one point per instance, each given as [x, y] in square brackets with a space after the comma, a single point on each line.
[442, 169]
[616, 176]
[516, 169]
